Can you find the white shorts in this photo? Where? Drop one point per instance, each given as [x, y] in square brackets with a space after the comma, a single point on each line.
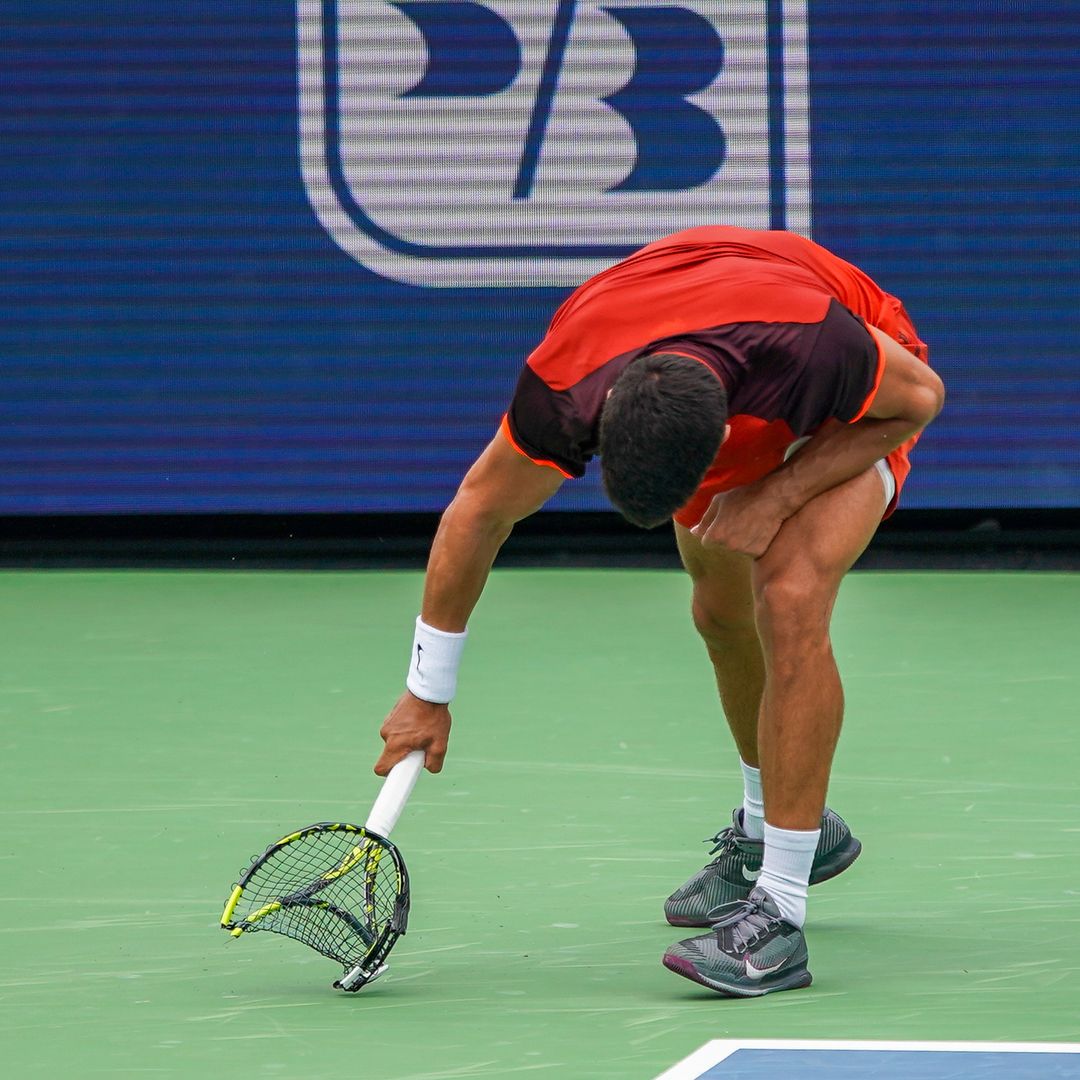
[888, 481]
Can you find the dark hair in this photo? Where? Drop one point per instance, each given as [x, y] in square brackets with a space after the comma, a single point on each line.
[660, 429]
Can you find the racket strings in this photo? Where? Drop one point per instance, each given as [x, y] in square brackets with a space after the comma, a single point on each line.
[337, 892]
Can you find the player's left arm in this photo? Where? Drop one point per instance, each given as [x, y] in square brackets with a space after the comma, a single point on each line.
[908, 397]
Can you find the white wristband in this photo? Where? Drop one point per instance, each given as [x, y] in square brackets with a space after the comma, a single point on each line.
[433, 667]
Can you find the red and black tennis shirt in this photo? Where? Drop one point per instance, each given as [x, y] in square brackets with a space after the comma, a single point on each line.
[779, 319]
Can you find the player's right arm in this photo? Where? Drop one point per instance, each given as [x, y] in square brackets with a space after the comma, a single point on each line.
[502, 487]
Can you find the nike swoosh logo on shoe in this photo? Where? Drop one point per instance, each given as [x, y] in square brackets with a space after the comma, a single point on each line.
[760, 973]
[750, 875]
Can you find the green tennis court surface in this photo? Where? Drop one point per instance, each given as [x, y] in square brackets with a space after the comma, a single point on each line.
[160, 728]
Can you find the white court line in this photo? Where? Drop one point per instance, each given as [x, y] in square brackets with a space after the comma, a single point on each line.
[718, 1050]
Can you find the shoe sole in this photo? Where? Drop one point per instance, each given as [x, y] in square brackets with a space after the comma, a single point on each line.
[795, 980]
[839, 860]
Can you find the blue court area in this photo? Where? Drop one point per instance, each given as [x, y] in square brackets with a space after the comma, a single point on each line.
[979, 1061]
[894, 1065]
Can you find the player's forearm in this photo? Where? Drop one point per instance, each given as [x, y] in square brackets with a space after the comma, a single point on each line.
[468, 539]
[908, 396]
[835, 454]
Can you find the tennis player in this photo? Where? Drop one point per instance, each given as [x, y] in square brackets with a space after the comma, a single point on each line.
[765, 395]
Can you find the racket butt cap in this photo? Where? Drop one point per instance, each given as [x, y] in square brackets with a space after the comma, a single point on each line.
[359, 977]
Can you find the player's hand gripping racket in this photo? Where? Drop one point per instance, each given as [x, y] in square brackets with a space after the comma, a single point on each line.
[341, 889]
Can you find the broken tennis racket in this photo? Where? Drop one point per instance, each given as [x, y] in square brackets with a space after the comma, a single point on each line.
[341, 889]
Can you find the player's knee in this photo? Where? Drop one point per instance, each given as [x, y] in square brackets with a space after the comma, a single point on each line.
[719, 625]
[793, 604]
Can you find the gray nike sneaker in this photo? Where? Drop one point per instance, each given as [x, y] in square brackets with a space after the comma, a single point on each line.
[737, 866]
[750, 951]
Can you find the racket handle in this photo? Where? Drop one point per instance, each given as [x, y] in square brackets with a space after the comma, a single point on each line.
[396, 789]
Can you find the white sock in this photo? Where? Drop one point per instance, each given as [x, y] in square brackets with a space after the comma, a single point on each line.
[753, 805]
[785, 870]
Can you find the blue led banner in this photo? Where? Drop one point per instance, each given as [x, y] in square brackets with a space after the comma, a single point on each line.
[274, 256]
[532, 145]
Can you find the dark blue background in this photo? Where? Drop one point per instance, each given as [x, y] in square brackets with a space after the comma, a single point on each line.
[178, 333]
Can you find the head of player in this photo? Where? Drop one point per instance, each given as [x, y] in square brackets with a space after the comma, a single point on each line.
[661, 427]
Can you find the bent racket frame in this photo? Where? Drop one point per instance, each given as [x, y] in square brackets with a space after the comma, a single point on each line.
[341, 889]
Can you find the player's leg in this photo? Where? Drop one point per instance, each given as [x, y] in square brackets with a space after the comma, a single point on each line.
[723, 613]
[722, 606]
[795, 586]
[757, 945]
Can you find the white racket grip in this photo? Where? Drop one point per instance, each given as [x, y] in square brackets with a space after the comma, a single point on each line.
[396, 789]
